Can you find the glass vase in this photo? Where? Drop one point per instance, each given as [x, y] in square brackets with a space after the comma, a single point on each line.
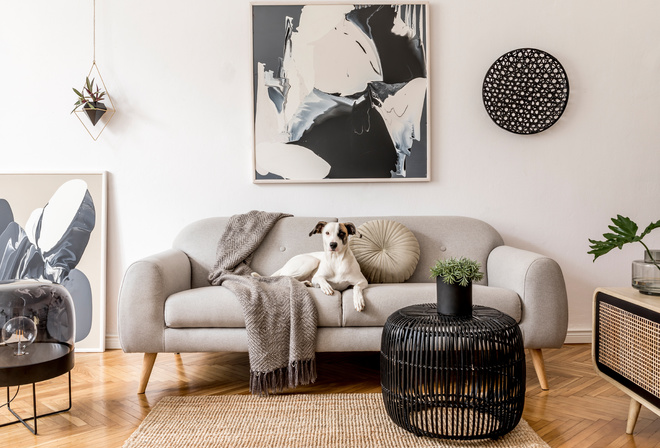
[646, 275]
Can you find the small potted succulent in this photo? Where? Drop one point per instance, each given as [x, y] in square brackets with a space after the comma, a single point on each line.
[454, 279]
[646, 272]
[90, 100]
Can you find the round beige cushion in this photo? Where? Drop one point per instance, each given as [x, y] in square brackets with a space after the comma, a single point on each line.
[387, 252]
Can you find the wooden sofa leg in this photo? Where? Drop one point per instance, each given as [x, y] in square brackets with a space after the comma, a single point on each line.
[539, 366]
[147, 366]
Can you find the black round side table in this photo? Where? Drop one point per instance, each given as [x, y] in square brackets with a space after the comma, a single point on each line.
[453, 377]
[37, 320]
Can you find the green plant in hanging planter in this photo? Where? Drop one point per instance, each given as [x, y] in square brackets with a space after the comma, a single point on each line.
[624, 232]
[461, 271]
[90, 100]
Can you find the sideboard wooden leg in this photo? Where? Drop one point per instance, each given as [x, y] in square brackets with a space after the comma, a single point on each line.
[633, 413]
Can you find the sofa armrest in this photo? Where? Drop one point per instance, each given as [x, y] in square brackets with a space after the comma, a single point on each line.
[146, 285]
[539, 282]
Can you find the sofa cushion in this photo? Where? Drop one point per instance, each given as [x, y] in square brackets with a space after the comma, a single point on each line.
[382, 300]
[386, 251]
[218, 307]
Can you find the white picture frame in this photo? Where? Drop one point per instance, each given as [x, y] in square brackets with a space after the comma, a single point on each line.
[340, 92]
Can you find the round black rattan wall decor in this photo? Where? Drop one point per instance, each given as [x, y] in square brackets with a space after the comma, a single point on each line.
[525, 91]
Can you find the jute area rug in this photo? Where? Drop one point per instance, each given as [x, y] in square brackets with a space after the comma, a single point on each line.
[292, 421]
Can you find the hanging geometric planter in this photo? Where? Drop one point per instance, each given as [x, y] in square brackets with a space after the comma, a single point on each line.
[94, 107]
[95, 115]
[95, 111]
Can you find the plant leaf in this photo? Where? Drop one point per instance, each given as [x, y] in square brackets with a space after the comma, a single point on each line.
[599, 248]
[626, 227]
[625, 231]
[460, 271]
[653, 225]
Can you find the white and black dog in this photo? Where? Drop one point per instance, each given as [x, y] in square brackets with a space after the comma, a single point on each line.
[334, 268]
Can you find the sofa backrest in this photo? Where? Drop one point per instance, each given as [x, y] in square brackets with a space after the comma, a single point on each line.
[288, 237]
[444, 237]
[438, 237]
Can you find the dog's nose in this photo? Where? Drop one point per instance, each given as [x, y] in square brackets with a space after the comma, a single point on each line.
[333, 245]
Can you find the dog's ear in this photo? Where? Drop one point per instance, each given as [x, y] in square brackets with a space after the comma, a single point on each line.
[351, 229]
[319, 228]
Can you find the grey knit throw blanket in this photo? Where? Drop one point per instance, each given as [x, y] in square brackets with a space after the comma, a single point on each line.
[280, 315]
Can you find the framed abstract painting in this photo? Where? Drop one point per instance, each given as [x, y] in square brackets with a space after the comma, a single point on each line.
[53, 228]
[340, 92]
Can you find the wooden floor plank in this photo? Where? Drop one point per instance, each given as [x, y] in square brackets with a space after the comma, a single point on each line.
[580, 410]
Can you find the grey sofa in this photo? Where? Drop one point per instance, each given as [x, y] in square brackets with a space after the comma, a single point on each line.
[166, 304]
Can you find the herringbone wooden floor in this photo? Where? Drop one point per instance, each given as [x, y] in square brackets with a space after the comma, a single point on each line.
[580, 410]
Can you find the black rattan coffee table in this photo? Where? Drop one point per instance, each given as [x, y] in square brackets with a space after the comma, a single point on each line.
[453, 377]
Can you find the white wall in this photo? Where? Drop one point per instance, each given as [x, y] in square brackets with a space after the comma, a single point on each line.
[179, 147]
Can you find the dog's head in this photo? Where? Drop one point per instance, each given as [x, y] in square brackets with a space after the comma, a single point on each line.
[335, 234]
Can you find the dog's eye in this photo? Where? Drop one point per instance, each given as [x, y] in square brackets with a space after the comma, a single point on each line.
[327, 233]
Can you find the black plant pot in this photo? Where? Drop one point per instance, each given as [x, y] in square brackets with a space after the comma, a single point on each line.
[95, 114]
[454, 300]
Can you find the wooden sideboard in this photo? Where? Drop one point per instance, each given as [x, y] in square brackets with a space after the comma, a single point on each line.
[626, 346]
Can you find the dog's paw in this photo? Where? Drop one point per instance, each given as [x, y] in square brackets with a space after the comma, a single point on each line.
[327, 290]
[358, 302]
[308, 284]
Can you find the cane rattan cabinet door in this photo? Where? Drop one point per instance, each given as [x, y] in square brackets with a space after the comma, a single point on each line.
[626, 345]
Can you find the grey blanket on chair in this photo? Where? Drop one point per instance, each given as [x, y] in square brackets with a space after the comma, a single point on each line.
[280, 315]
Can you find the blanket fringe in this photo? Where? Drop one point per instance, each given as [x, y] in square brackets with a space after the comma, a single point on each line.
[297, 373]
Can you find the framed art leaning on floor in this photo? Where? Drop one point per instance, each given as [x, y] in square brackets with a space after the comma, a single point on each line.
[340, 92]
[52, 227]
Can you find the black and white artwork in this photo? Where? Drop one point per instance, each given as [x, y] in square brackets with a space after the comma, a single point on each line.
[340, 92]
[51, 229]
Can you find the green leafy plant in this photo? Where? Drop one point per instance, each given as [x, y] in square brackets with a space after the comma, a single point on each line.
[461, 271]
[88, 96]
[624, 232]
